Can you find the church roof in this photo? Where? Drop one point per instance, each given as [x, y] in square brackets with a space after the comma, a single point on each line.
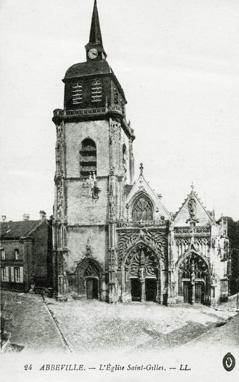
[182, 215]
[88, 68]
[92, 68]
[142, 186]
[18, 229]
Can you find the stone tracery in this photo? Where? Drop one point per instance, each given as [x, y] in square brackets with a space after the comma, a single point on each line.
[142, 209]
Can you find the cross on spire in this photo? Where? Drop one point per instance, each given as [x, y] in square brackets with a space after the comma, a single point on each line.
[141, 167]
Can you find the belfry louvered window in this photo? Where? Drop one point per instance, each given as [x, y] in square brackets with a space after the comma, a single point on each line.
[116, 96]
[88, 163]
[96, 91]
[77, 93]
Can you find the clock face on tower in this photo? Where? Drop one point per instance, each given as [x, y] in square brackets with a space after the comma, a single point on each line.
[93, 53]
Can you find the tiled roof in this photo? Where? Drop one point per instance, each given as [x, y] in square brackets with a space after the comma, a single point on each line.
[17, 229]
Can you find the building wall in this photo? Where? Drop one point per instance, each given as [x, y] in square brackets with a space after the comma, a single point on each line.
[81, 208]
[34, 263]
[75, 133]
[233, 234]
[78, 238]
[42, 262]
[87, 217]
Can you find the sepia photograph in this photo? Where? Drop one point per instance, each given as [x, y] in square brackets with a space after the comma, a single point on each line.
[119, 203]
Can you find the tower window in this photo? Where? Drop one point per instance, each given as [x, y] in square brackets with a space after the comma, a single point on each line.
[77, 93]
[142, 209]
[88, 163]
[96, 91]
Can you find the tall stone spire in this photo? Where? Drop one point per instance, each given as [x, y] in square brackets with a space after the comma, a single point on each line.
[95, 40]
[95, 32]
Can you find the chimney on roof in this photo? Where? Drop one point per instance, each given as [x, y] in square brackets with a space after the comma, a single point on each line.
[26, 217]
[4, 218]
[42, 215]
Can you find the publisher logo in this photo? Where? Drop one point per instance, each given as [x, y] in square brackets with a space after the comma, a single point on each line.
[229, 362]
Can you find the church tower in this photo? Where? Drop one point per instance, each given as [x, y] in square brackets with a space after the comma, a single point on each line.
[94, 165]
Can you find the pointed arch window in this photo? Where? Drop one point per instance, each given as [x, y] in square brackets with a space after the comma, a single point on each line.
[88, 158]
[142, 209]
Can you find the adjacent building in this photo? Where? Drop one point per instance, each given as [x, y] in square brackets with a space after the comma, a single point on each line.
[233, 235]
[25, 254]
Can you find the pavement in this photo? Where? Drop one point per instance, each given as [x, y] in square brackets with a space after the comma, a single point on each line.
[227, 334]
[31, 325]
[86, 326]
[95, 326]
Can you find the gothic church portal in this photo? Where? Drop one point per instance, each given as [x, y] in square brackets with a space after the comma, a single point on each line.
[113, 238]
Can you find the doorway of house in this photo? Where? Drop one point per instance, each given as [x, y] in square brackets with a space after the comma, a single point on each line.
[136, 289]
[150, 289]
[91, 288]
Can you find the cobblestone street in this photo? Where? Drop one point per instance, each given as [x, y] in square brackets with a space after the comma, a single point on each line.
[93, 325]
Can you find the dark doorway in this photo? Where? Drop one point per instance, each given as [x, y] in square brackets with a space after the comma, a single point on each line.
[187, 292]
[199, 293]
[136, 289]
[150, 289]
[92, 288]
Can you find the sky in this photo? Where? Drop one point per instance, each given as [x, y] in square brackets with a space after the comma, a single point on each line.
[178, 62]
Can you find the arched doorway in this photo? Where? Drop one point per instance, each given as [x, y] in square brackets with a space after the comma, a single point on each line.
[142, 275]
[89, 274]
[194, 279]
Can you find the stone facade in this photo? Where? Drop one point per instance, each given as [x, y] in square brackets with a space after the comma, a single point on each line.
[112, 237]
